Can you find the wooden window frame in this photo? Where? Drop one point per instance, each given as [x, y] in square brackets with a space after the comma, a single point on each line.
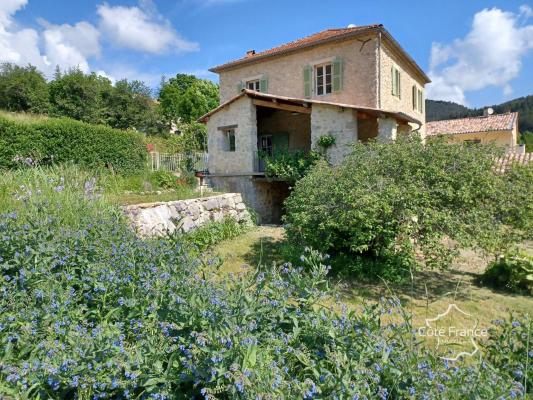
[323, 77]
[229, 144]
[256, 84]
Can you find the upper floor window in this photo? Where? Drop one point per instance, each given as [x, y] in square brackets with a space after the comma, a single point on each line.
[396, 82]
[418, 99]
[258, 83]
[323, 79]
[253, 85]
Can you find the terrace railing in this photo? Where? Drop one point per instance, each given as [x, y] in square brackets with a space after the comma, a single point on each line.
[179, 161]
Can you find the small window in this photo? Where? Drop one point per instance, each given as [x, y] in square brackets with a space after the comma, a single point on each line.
[323, 79]
[473, 141]
[253, 85]
[229, 139]
[396, 82]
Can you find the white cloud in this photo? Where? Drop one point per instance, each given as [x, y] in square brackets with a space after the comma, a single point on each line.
[64, 45]
[526, 11]
[141, 28]
[489, 55]
[71, 45]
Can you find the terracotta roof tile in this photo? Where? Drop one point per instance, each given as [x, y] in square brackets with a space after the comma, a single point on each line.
[306, 41]
[504, 163]
[497, 122]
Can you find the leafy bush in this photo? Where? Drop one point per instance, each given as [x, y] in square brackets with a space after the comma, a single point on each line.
[512, 272]
[91, 311]
[393, 202]
[51, 141]
[165, 179]
[326, 141]
[289, 165]
[214, 232]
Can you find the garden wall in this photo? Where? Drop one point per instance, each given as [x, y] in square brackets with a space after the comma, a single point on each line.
[156, 219]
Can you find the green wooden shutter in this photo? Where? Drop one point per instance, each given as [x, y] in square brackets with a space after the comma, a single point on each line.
[393, 79]
[337, 74]
[280, 142]
[415, 97]
[308, 77]
[399, 84]
[240, 86]
[263, 84]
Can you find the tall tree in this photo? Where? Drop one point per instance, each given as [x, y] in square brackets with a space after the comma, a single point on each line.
[130, 106]
[186, 97]
[80, 96]
[23, 89]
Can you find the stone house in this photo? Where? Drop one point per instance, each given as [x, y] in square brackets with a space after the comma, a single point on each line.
[498, 129]
[354, 84]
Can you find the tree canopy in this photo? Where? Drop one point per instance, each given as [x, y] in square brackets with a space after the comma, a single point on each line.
[94, 99]
[23, 89]
[187, 98]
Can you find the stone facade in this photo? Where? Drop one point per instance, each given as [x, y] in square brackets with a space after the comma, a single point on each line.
[157, 219]
[242, 115]
[404, 102]
[264, 197]
[285, 74]
[335, 121]
[504, 139]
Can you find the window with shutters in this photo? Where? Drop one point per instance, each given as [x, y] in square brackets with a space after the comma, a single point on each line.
[253, 85]
[418, 99]
[323, 81]
[396, 82]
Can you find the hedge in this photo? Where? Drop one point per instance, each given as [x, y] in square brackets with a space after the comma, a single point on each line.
[53, 140]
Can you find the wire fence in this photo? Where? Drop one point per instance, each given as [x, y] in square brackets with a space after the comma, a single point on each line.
[179, 162]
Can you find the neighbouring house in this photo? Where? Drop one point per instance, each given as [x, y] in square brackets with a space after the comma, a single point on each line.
[498, 129]
[354, 84]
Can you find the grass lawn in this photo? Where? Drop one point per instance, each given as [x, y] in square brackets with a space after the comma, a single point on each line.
[428, 295]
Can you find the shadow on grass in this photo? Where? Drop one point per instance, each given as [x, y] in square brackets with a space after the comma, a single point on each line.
[266, 251]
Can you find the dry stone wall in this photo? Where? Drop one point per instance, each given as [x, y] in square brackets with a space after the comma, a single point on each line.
[156, 219]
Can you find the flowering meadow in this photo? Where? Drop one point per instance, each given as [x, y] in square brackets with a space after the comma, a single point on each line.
[88, 310]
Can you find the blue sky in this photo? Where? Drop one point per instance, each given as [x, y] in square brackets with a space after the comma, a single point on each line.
[477, 52]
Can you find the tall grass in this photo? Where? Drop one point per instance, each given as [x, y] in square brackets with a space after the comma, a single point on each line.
[68, 194]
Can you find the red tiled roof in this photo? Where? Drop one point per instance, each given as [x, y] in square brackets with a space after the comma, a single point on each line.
[318, 38]
[505, 162]
[496, 122]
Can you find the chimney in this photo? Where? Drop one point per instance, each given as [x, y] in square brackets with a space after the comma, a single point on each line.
[250, 53]
[488, 111]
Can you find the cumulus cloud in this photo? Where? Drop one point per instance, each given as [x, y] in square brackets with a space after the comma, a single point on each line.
[65, 45]
[141, 28]
[71, 45]
[77, 45]
[489, 55]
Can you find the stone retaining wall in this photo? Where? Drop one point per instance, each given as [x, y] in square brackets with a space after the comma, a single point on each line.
[156, 219]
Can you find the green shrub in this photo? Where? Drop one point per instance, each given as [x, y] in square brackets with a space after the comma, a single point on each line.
[89, 310]
[289, 165]
[326, 141]
[164, 179]
[512, 272]
[214, 232]
[403, 201]
[51, 141]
